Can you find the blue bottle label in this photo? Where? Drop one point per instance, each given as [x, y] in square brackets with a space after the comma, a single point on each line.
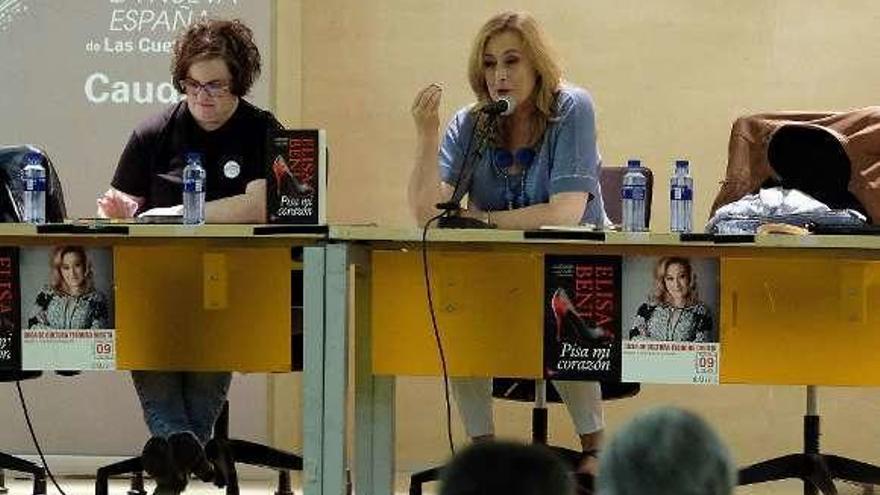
[681, 193]
[633, 192]
[37, 184]
[193, 186]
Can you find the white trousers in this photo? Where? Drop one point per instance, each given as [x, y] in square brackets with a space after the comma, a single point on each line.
[474, 399]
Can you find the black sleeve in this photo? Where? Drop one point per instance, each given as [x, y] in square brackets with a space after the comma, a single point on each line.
[705, 327]
[646, 310]
[640, 321]
[100, 312]
[132, 174]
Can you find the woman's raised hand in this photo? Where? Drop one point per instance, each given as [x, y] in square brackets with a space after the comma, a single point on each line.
[425, 109]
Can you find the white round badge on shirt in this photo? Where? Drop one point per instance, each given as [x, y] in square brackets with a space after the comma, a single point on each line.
[231, 169]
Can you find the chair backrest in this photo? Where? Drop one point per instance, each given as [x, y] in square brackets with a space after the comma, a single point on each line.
[11, 201]
[11, 198]
[611, 180]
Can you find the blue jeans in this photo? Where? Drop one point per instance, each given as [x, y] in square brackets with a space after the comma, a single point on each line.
[181, 400]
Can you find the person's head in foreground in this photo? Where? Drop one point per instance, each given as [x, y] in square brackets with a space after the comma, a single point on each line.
[666, 451]
[506, 468]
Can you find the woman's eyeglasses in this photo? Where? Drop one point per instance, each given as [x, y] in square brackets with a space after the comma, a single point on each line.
[212, 88]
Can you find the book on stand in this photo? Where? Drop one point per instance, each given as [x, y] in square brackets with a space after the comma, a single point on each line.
[296, 177]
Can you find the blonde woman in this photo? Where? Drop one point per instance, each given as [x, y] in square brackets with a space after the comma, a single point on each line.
[70, 300]
[673, 312]
[538, 166]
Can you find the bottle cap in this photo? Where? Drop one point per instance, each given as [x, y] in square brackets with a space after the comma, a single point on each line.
[193, 157]
[681, 164]
[33, 157]
[634, 163]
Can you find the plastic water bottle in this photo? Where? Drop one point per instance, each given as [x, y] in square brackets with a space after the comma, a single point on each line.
[33, 182]
[681, 199]
[193, 190]
[633, 195]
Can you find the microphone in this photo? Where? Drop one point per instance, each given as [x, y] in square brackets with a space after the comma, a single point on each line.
[503, 106]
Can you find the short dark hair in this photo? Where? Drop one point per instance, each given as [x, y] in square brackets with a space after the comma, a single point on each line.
[507, 468]
[230, 41]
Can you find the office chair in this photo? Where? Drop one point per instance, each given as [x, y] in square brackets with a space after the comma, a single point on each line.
[12, 463]
[536, 391]
[812, 160]
[225, 452]
[11, 163]
[11, 196]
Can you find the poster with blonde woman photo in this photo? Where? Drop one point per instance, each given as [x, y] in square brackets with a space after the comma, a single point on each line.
[670, 319]
[67, 317]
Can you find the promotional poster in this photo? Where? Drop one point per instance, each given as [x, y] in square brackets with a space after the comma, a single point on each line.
[67, 308]
[670, 313]
[582, 317]
[10, 325]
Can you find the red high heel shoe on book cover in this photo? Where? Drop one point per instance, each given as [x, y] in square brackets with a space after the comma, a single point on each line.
[572, 326]
[281, 170]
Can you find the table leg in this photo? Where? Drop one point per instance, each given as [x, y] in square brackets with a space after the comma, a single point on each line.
[374, 397]
[314, 267]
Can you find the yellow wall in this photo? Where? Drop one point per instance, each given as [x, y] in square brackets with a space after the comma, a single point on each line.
[668, 78]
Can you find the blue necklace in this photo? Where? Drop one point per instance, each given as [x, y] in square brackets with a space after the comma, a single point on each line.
[504, 160]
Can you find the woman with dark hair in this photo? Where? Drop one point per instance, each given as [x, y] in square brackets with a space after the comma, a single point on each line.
[70, 300]
[215, 64]
[674, 311]
[537, 166]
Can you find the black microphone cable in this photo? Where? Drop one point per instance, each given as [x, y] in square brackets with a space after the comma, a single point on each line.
[27, 418]
[430, 295]
[447, 208]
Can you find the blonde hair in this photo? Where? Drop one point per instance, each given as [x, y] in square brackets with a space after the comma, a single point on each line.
[57, 259]
[661, 295]
[548, 77]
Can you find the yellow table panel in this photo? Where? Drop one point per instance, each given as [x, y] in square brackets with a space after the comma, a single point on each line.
[488, 308]
[180, 306]
[800, 321]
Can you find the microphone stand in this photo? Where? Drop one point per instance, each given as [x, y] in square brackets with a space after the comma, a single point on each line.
[452, 218]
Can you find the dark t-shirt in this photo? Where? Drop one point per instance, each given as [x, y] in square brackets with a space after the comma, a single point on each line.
[151, 166]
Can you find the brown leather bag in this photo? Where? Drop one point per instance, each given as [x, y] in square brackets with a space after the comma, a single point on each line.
[810, 149]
